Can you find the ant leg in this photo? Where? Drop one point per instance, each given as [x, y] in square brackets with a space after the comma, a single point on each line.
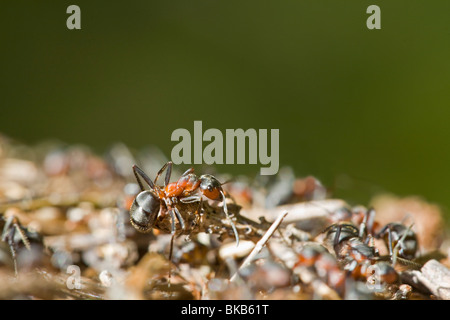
[8, 235]
[363, 226]
[188, 171]
[199, 210]
[170, 259]
[336, 240]
[173, 211]
[169, 172]
[200, 204]
[12, 226]
[190, 199]
[13, 252]
[225, 209]
[172, 217]
[367, 223]
[351, 266]
[369, 240]
[390, 245]
[138, 172]
[180, 218]
[371, 221]
[11, 222]
[406, 217]
[7, 228]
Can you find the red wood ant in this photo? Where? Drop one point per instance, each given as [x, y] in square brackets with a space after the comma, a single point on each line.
[359, 216]
[397, 235]
[400, 240]
[149, 203]
[349, 247]
[324, 264]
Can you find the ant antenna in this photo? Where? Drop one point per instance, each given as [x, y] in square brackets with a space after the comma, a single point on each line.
[367, 223]
[170, 259]
[225, 209]
[336, 240]
[407, 216]
[168, 165]
[138, 171]
[228, 181]
[396, 248]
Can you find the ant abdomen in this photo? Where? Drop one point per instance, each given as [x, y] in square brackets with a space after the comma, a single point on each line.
[144, 210]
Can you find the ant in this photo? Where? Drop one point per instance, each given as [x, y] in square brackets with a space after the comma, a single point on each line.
[358, 258]
[358, 216]
[351, 244]
[396, 236]
[400, 240]
[149, 203]
[325, 265]
[350, 248]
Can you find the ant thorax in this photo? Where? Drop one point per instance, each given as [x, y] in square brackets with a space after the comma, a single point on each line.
[191, 213]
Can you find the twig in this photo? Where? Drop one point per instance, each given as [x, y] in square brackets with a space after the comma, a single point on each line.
[433, 278]
[311, 216]
[261, 243]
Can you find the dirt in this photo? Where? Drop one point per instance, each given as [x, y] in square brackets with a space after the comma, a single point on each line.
[66, 234]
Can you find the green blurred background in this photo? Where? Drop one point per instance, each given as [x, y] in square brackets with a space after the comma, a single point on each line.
[366, 108]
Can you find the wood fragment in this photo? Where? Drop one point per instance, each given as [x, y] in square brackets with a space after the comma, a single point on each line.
[311, 215]
[433, 278]
[261, 243]
[436, 277]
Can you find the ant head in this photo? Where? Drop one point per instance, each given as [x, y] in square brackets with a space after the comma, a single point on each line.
[144, 210]
[339, 232]
[401, 236]
[210, 187]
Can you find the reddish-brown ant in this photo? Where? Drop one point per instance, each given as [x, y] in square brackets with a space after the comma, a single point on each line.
[324, 264]
[148, 203]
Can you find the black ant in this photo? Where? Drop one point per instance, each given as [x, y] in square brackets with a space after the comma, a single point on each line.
[350, 248]
[352, 244]
[358, 216]
[400, 240]
[149, 203]
[359, 259]
[399, 237]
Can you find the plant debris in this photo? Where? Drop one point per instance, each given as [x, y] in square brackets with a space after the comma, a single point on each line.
[66, 234]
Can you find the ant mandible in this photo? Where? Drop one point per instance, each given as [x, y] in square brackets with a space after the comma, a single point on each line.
[148, 203]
